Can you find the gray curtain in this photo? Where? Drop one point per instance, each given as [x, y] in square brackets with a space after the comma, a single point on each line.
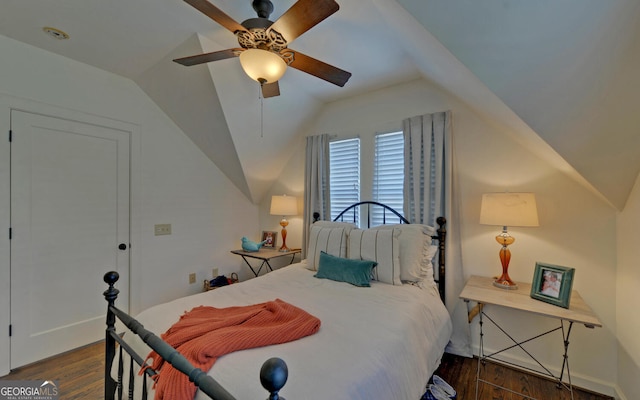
[316, 183]
[429, 192]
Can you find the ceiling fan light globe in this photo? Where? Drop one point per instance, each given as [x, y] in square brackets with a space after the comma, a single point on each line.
[262, 65]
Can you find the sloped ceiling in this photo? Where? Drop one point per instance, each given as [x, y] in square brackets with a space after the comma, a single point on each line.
[568, 69]
[189, 98]
[562, 76]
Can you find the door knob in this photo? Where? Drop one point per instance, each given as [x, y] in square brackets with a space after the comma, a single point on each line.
[122, 246]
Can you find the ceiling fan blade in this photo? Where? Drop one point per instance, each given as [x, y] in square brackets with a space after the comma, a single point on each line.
[270, 90]
[216, 14]
[320, 69]
[208, 57]
[302, 16]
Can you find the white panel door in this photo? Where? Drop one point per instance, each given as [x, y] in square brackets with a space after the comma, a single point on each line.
[69, 214]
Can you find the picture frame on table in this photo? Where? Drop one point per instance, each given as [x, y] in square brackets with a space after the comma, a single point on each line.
[552, 284]
[271, 238]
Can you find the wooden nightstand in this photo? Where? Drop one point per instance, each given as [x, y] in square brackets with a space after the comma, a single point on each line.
[265, 255]
[482, 291]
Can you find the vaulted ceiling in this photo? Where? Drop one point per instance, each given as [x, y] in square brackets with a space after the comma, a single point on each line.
[561, 76]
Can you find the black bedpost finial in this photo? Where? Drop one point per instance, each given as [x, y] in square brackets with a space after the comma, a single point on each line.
[316, 216]
[111, 294]
[273, 376]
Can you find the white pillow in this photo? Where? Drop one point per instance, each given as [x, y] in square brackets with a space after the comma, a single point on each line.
[426, 229]
[416, 251]
[426, 269]
[381, 246]
[330, 240]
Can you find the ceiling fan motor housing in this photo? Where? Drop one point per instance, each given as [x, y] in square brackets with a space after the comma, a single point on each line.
[264, 8]
[258, 36]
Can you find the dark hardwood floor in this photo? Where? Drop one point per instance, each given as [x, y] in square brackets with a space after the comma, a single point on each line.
[460, 373]
[80, 377]
[80, 372]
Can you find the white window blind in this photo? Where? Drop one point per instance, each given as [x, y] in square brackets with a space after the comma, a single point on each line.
[388, 176]
[344, 170]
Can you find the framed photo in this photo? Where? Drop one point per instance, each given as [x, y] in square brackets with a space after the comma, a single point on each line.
[552, 284]
[271, 239]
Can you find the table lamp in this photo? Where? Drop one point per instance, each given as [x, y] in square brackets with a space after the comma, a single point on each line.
[284, 205]
[508, 209]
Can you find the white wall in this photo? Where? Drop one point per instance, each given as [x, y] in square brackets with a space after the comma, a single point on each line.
[291, 183]
[576, 228]
[628, 277]
[172, 181]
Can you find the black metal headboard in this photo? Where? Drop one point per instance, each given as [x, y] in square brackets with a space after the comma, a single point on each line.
[396, 217]
[353, 209]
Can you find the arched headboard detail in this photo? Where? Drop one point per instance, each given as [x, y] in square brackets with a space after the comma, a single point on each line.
[353, 209]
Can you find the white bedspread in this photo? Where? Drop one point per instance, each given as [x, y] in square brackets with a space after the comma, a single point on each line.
[382, 342]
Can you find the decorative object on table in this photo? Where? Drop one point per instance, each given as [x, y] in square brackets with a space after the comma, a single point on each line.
[508, 209]
[284, 205]
[270, 238]
[552, 284]
[250, 245]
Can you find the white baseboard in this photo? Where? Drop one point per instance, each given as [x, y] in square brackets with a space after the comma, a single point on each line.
[618, 394]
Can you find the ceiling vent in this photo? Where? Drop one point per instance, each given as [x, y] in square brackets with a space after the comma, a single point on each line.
[55, 33]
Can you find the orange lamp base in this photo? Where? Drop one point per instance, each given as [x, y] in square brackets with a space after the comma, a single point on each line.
[504, 281]
[283, 224]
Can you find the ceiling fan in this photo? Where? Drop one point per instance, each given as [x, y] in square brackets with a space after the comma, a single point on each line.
[263, 51]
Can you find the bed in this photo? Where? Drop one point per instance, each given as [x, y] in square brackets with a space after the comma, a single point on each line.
[381, 341]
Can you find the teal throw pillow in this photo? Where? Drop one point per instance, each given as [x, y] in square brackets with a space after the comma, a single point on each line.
[355, 272]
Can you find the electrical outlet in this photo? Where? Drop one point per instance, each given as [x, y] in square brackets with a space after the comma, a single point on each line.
[162, 229]
[192, 277]
[215, 272]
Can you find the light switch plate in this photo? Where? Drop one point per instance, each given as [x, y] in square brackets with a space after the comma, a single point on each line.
[162, 229]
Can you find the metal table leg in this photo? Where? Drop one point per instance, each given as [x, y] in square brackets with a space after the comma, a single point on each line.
[260, 268]
[482, 357]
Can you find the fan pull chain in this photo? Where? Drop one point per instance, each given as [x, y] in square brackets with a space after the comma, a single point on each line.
[261, 110]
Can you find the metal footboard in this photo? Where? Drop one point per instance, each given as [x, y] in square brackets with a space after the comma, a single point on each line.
[273, 374]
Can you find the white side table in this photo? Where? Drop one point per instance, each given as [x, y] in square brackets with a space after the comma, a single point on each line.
[481, 290]
[265, 255]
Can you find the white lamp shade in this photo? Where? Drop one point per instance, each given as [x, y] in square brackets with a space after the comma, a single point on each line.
[262, 65]
[284, 205]
[509, 209]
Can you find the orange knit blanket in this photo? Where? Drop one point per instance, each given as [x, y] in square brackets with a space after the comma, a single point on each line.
[206, 333]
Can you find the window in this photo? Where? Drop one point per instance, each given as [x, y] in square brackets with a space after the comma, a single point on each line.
[378, 173]
[344, 171]
[388, 175]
